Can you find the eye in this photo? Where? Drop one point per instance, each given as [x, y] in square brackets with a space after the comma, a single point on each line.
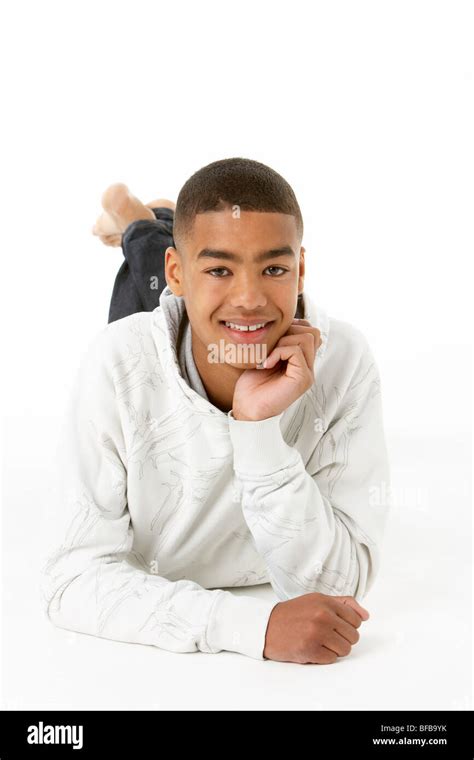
[217, 269]
[281, 270]
[216, 272]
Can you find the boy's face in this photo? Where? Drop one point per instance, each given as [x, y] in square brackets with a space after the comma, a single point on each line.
[226, 273]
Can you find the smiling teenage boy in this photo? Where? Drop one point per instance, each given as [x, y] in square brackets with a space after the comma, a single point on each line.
[184, 476]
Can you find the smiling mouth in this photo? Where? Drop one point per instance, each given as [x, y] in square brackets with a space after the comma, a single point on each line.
[245, 327]
[246, 332]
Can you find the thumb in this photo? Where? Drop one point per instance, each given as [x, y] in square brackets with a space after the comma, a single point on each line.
[351, 602]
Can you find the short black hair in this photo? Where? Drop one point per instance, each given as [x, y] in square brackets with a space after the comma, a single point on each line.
[233, 182]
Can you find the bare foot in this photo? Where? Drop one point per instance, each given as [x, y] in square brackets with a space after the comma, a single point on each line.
[121, 208]
[162, 202]
[114, 240]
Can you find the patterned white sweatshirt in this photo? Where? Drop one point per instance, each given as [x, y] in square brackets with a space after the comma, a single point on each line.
[165, 501]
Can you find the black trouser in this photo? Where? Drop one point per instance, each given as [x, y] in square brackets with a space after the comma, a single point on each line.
[141, 278]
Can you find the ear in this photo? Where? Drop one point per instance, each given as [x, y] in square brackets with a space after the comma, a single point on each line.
[174, 271]
[301, 271]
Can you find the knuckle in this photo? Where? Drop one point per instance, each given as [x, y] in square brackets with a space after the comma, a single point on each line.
[320, 616]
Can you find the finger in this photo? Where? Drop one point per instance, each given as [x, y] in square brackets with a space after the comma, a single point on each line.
[324, 656]
[351, 602]
[347, 630]
[304, 327]
[293, 354]
[337, 643]
[348, 614]
[295, 329]
[306, 344]
[301, 321]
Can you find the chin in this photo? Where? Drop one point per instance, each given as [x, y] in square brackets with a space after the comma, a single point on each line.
[250, 365]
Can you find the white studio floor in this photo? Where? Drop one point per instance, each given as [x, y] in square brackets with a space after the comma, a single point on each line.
[414, 653]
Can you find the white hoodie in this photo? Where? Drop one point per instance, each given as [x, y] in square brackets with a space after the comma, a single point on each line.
[164, 497]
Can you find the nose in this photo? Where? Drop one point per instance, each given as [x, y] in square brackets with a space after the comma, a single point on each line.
[247, 293]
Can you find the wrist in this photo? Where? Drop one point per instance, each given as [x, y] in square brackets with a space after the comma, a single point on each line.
[242, 417]
[266, 653]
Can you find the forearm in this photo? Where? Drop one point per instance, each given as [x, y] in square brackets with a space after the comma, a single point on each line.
[307, 543]
[112, 599]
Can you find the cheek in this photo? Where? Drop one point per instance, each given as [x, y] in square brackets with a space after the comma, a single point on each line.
[212, 291]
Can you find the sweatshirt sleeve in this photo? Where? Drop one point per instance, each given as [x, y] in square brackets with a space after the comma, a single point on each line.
[318, 527]
[93, 582]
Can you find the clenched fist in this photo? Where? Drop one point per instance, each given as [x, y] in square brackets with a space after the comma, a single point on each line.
[313, 628]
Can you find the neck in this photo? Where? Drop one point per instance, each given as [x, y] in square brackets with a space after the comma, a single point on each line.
[219, 385]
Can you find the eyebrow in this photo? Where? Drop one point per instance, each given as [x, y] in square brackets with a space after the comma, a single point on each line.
[211, 253]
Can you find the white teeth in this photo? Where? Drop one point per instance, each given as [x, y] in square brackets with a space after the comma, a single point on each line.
[245, 328]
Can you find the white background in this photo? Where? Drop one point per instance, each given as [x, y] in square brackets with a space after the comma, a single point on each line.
[366, 108]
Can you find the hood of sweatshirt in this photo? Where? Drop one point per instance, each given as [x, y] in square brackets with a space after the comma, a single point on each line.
[171, 321]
